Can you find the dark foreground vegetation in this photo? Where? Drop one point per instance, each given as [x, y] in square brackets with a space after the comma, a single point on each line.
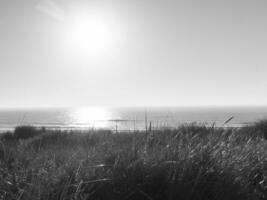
[189, 163]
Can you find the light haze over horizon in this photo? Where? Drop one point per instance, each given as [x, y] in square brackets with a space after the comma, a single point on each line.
[132, 53]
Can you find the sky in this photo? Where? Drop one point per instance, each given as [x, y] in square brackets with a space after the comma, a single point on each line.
[68, 53]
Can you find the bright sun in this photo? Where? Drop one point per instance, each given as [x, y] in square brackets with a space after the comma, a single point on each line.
[90, 35]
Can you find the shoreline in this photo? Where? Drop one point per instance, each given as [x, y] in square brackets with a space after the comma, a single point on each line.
[113, 129]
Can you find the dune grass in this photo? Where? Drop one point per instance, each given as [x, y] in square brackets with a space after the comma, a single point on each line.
[190, 162]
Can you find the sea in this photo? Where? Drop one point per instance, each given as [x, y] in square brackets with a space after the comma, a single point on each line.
[130, 118]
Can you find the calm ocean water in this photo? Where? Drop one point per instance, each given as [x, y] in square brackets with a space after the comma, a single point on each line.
[128, 118]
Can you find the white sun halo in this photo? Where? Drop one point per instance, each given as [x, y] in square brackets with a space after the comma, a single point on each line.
[90, 35]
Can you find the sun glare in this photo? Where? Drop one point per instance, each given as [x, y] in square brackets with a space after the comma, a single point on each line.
[96, 116]
[90, 34]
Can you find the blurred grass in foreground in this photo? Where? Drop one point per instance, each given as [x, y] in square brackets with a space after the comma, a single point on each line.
[190, 162]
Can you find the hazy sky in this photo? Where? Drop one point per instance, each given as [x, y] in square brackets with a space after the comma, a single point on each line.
[132, 53]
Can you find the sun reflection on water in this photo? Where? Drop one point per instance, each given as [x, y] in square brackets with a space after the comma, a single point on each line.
[98, 117]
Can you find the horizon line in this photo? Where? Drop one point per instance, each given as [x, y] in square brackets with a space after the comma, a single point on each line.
[130, 106]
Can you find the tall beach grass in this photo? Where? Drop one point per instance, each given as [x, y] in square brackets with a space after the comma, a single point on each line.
[190, 162]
